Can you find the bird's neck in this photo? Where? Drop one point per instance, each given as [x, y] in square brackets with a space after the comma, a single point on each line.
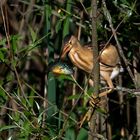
[81, 57]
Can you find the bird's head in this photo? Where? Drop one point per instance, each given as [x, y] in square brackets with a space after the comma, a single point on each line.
[69, 43]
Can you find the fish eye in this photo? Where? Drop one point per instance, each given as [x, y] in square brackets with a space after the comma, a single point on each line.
[61, 68]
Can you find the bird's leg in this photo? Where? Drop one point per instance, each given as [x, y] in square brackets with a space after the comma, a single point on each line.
[87, 116]
[94, 100]
[94, 103]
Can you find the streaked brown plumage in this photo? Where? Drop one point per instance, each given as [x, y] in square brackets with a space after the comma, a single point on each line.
[82, 57]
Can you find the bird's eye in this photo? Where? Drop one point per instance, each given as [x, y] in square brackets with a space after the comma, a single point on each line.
[70, 42]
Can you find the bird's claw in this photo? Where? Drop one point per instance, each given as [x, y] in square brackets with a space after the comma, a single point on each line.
[94, 103]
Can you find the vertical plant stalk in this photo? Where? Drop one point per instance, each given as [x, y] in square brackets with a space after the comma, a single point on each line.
[138, 112]
[50, 83]
[96, 69]
[121, 101]
[5, 22]
[66, 22]
[137, 78]
[76, 70]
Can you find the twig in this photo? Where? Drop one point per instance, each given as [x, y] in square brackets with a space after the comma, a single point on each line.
[20, 112]
[22, 91]
[5, 27]
[96, 68]
[99, 136]
[123, 89]
[11, 97]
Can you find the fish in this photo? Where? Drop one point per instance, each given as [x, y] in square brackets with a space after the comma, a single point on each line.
[61, 68]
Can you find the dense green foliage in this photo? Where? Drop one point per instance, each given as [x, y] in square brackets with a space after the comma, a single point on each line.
[35, 104]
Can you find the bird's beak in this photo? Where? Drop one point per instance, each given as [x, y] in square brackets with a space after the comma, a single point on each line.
[65, 50]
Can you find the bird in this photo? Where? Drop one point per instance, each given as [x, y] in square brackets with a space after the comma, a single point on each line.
[82, 58]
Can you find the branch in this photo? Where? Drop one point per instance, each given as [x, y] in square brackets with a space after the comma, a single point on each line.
[96, 68]
[123, 89]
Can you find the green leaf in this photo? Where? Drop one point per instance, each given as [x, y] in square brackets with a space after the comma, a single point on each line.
[7, 127]
[51, 94]
[3, 51]
[75, 97]
[67, 19]
[129, 54]
[3, 97]
[14, 41]
[31, 100]
[83, 134]
[65, 77]
[70, 134]
[33, 34]
[1, 56]
[58, 26]
[101, 111]
[3, 42]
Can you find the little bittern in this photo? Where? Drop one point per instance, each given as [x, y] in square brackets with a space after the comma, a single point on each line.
[82, 57]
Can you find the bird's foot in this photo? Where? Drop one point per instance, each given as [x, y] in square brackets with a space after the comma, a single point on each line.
[94, 103]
